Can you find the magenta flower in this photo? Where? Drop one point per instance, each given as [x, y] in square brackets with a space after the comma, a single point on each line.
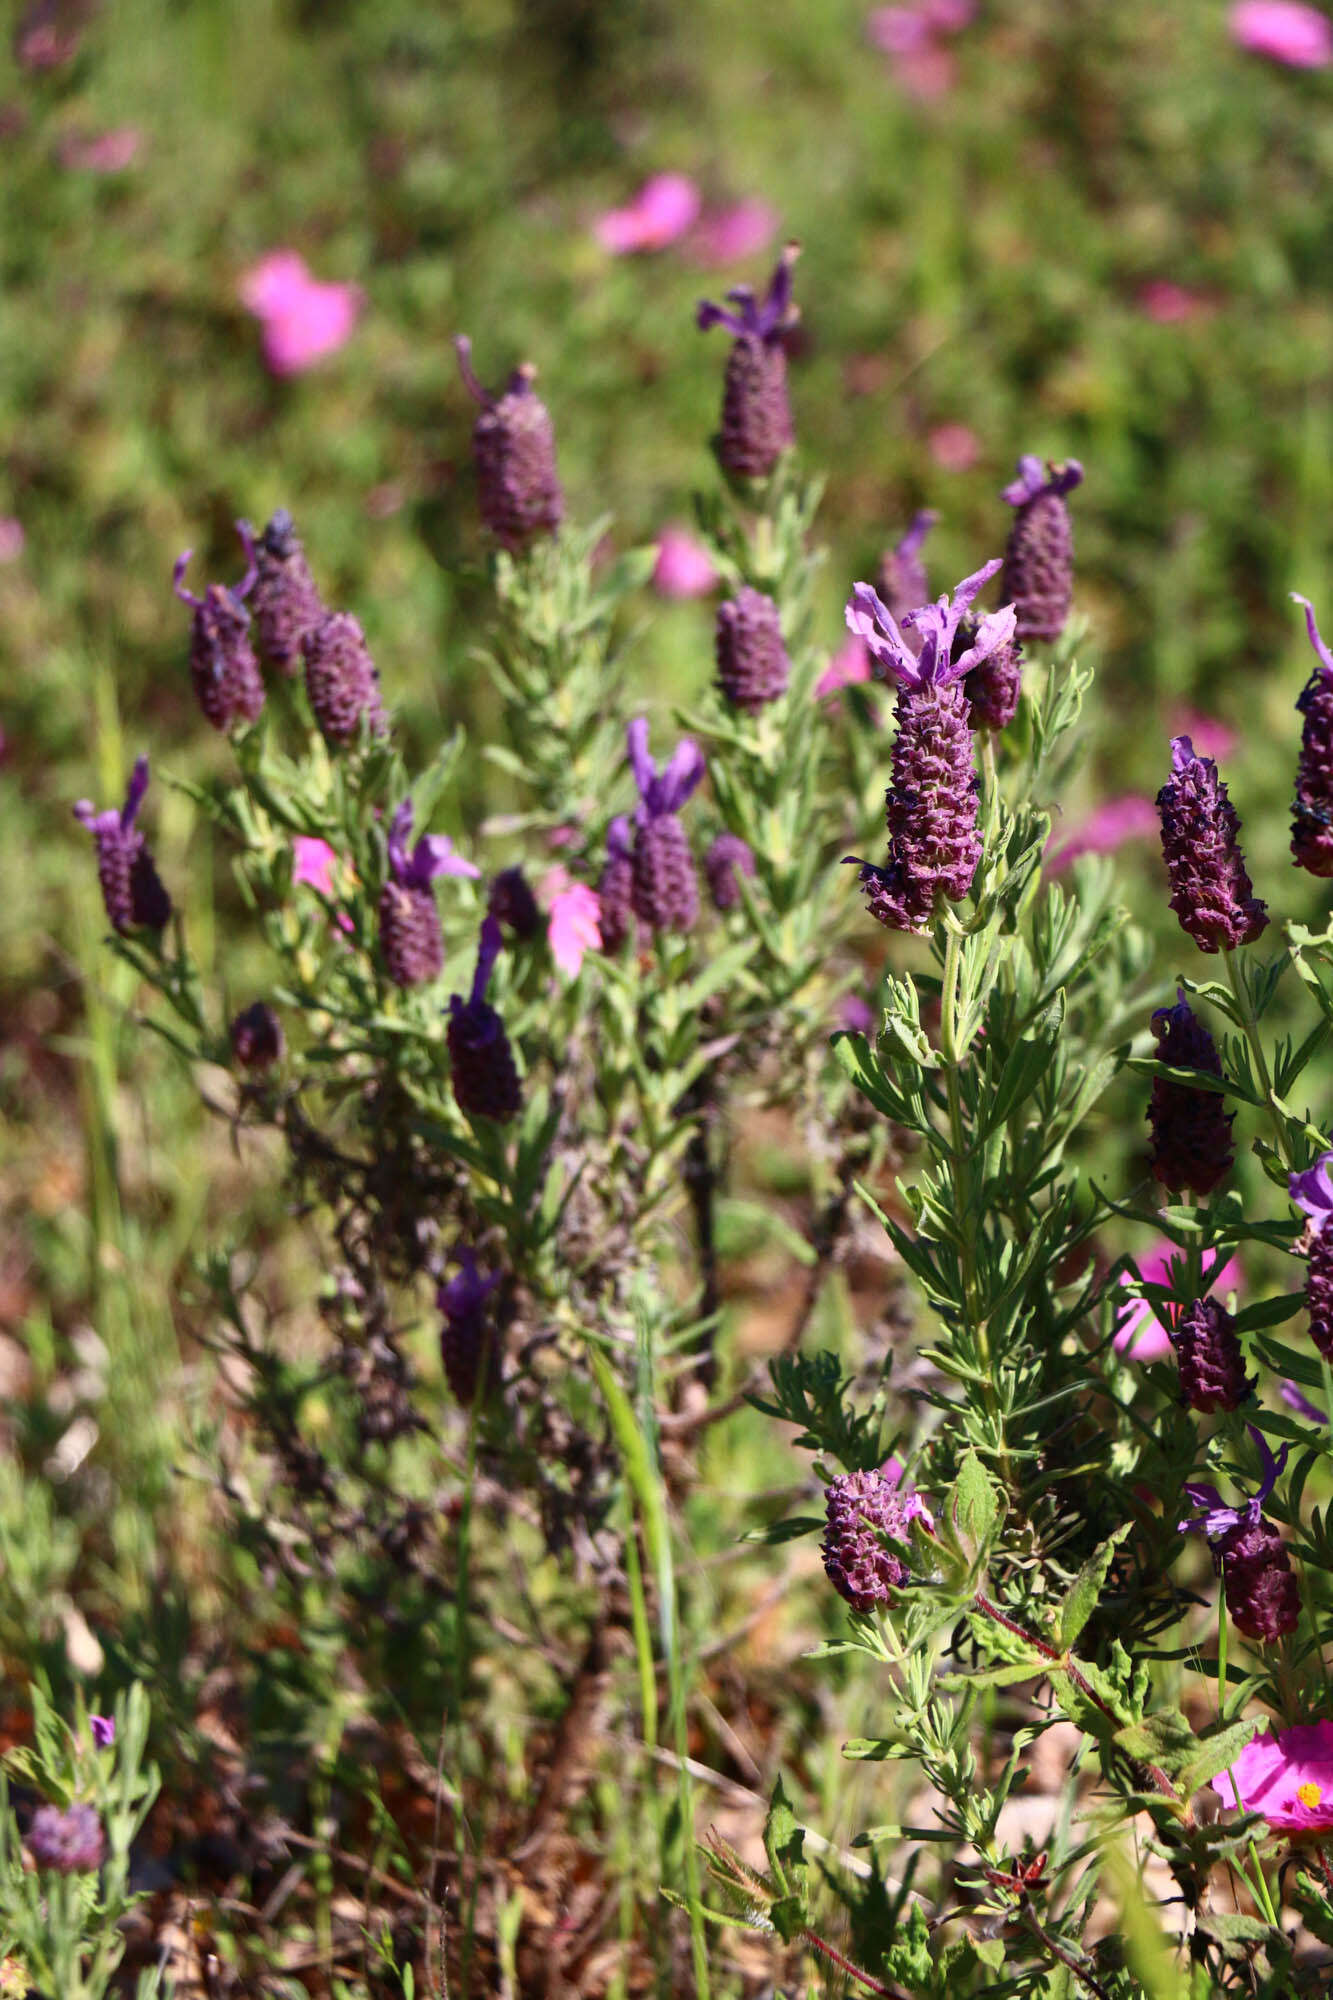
[1283, 30]
[314, 864]
[302, 320]
[954, 447]
[661, 212]
[726, 235]
[103, 1730]
[684, 567]
[1210, 737]
[849, 666]
[1288, 1777]
[1140, 1335]
[1130, 817]
[573, 920]
[12, 538]
[104, 152]
[1167, 303]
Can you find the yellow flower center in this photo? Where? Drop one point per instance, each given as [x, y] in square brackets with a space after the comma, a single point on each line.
[1309, 1795]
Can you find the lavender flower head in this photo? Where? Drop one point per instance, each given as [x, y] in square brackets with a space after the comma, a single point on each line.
[1191, 1130]
[223, 667]
[131, 887]
[664, 889]
[256, 1036]
[102, 1728]
[69, 1842]
[513, 450]
[484, 1075]
[465, 1337]
[1312, 1192]
[286, 602]
[865, 1508]
[756, 426]
[727, 859]
[410, 935]
[1211, 892]
[752, 663]
[341, 679]
[1212, 1368]
[1312, 807]
[1262, 1594]
[931, 803]
[1039, 555]
[615, 887]
[902, 580]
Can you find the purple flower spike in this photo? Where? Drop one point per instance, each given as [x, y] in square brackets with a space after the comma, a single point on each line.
[466, 1336]
[1212, 1368]
[67, 1843]
[513, 450]
[410, 935]
[756, 426]
[726, 861]
[1211, 892]
[865, 1512]
[936, 628]
[484, 1075]
[615, 887]
[1312, 1192]
[1191, 1129]
[287, 604]
[223, 668]
[752, 663]
[257, 1040]
[341, 679]
[664, 889]
[1312, 807]
[131, 887]
[1039, 555]
[1262, 1594]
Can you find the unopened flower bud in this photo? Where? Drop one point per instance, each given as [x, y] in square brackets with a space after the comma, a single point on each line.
[410, 935]
[340, 679]
[1312, 808]
[615, 888]
[727, 859]
[513, 450]
[1191, 1129]
[286, 604]
[1211, 892]
[468, 1332]
[1039, 556]
[1263, 1597]
[994, 686]
[664, 889]
[256, 1037]
[132, 889]
[511, 901]
[1212, 1368]
[752, 663]
[484, 1076]
[223, 667]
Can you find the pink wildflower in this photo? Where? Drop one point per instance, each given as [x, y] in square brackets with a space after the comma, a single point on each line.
[315, 863]
[1285, 31]
[104, 153]
[684, 566]
[302, 319]
[1161, 299]
[849, 666]
[1139, 1334]
[1287, 1777]
[12, 538]
[1210, 737]
[1131, 817]
[954, 447]
[662, 211]
[573, 926]
[726, 235]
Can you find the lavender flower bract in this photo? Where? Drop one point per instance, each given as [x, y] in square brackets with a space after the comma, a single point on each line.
[756, 426]
[664, 889]
[465, 1337]
[864, 1508]
[256, 1037]
[131, 886]
[1312, 807]
[752, 663]
[223, 667]
[1212, 1368]
[1211, 892]
[1191, 1131]
[615, 887]
[410, 935]
[727, 859]
[341, 679]
[286, 604]
[1312, 1192]
[67, 1843]
[513, 450]
[1039, 555]
[994, 686]
[484, 1075]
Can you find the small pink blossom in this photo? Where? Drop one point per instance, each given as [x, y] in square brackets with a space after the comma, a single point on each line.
[1210, 737]
[684, 567]
[954, 447]
[1285, 31]
[662, 211]
[726, 235]
[910, 36]
[1131, 817]
[13, 541]
[927, 72]
[1168, 303]
[1288, 1777]
[1139, 1334]
[573, 926]
[315, 863]
[301, 319]
[104, 153]
[849, 666]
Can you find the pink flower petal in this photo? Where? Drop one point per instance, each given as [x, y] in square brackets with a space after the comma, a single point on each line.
[954, 447]
[268, 285]
[1132, 817]
[302, 318]
[1287, 1776]
[1210, 737]
[574, 926]
[899, 31]
[105, 153]
[684, 567]
[315, 862]
[1139, 1334]
[849, 666]
[729, 234]
[927, 73]
[1161, 299]
[12, 538]
[1283, 30]
[662, 211]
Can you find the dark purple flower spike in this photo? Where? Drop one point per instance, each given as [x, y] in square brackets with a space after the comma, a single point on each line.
[131, 887]
[1211, 892]
[410, 935]
[286, 603]
[513, 451]
[1191, 1129]
[1312, 1192]
[615, 888]
[931, 802]
[1212, 1367]
[341, 679]
[752, 663]
[756, 426]
[223, 667]
[664, 889]
[512, 901]
[1039, 555]
[1261, 1592]
[466, 1336]
[485, 1079]
[1312, 807]
[256, 1037]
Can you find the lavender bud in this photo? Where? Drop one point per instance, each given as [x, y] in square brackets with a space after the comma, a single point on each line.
[1312, 807]
[513, 450]
[615, 887]
[992, 688]
[752, 663]
[1191, 1131]
[223, 667]
[756, 426]
[864, 1507]
[466, 1336]
[131, 886]
[1039, 555]
[340, 679]
[513, 904]
[286, 603]
[485, 1079]
[728, 858]
[1262, 1594]
[1210, 891]
[256, 1037]
[69, 1842]
[1212, 1368]
[1319, 1291]
[410, 935]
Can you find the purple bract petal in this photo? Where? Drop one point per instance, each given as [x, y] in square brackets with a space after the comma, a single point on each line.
[1312, 1191]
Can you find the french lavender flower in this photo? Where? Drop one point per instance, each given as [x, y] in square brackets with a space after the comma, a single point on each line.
[727, 859]
[465, 1337]
[341, 679]
[902, 580]
[410, 935]
[1039, 555]
[1312, 807]
[67, 1843]
[752, 663]
[1210, 891]
[1191, 1131]
[993, 687]
[1212, 1368]
[511, 901]
[1312, 1192]
[615, 888]
[485, 1079]
[863, 1508]
[756, 426]
[102, 1729]
[513, 450]
[1262, 1594]
[223, 667]
[931, 803]
[131, 886]
[257, 1040]
[286, 604]
[664, 890]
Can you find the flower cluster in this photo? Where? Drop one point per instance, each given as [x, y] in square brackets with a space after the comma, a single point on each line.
[756, 426]
[866, 1514]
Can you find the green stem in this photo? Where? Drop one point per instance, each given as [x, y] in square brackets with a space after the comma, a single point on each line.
[1250, 1026]
[960, 1160]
